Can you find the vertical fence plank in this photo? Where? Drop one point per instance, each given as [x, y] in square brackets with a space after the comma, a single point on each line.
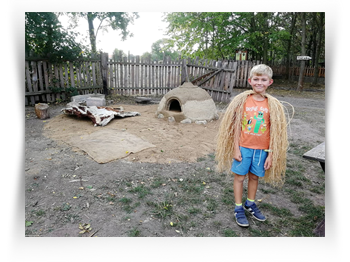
[29, 82]
[46, 81]
[40, 80]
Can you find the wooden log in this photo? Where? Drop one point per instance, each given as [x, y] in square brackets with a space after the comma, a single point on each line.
[42, 111]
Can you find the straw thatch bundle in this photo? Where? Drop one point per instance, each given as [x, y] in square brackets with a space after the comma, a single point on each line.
[231, 123]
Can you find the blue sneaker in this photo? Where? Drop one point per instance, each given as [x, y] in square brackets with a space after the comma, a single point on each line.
[254, 211]
[241, 219]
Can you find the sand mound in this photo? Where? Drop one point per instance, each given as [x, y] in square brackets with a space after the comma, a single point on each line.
[164, 142]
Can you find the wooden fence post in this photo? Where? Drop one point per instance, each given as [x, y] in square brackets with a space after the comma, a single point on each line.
[104, 71]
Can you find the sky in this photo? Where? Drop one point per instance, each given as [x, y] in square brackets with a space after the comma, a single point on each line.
[147, 29]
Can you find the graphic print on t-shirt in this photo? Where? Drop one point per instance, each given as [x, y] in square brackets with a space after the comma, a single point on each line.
[255, 124]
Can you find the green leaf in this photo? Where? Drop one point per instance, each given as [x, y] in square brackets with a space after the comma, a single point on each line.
[29, 223]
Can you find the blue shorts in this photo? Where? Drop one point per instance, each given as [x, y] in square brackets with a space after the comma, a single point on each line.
[253, 161]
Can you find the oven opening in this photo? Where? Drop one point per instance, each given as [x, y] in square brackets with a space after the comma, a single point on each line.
[174, 105]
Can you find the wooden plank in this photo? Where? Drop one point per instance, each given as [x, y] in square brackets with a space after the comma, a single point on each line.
[46, 81]
[152, 76]
[117, 77]
[29, 82]
[78, 75]
[221, 82]
[71, 72]
[149, 76]
[133, 75]
[66, 74]
[169, 72]
[57, 82]
[88, 74]
[61, 80]
[233, 77]
[125, 84]
[318, 153]
[137, 72]
[40, 79]
[93, 73]
[35, 79]
[141, 75]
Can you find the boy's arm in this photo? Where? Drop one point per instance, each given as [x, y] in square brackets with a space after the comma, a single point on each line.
[237, 152]
[268, 161]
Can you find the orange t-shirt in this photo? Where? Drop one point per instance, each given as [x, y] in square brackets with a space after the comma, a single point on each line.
[255, 124]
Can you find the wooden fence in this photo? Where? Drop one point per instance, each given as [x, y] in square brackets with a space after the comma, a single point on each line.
[131, 76]
[47, 82]
[138, 76]
[294, 71]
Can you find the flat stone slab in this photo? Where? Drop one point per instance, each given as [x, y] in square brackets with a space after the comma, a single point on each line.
[95, 101]
[141, 99]
[83, 98]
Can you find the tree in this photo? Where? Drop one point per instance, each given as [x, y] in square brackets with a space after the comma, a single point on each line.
[106, 20]
[219, 35]
[303, 52]
[161, 48]
[45, 37]
[116, 52]
[319, 44]
[289, 43]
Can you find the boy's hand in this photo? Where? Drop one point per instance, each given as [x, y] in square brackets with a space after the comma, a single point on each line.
[268, 162]
[237, 155]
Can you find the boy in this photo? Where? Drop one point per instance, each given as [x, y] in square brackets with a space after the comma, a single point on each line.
[253, 133]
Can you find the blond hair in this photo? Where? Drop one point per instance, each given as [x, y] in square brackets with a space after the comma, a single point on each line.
[261, 69]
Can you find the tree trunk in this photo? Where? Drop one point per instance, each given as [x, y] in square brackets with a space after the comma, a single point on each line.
[290, 43]
[266, 40]
[42, 111]
[90, 19]
[303, 52]
[318, 50]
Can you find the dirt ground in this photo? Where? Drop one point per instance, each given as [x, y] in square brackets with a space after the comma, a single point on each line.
[66, 188]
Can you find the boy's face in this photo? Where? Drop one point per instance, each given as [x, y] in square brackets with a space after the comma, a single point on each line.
[260, 83]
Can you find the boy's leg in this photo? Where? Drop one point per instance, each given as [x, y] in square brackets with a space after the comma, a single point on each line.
[250, 205]
[238, 188]
[240, 217]
[253, 183]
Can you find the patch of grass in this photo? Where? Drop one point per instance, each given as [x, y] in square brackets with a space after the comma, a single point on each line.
[200, 159]
[228, 197]
[259, 233]
[295, 178]
[65, 207]
[126, 204]
[161, 209]
[268, 191]
[212, 205]
[141, 191]
[304, 225]
[157, 183]
[318, 189]
[134, 233]
[40, 213]
[125, 200]
[299, 150]
[281, 212]
[229, 233]
[194, 211]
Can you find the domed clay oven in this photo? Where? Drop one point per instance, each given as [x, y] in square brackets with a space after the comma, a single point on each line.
[187, 102]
